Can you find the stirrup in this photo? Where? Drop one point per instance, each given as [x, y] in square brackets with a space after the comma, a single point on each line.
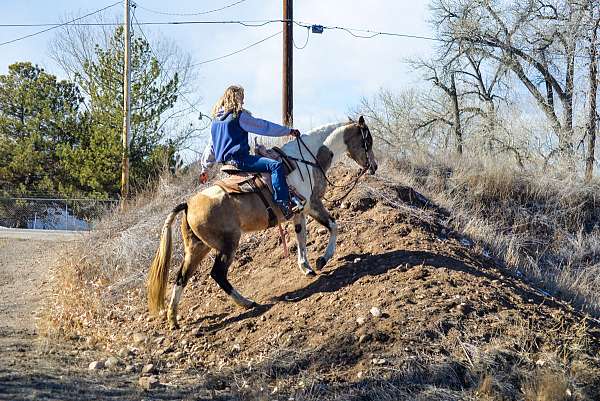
[287, 211]
[298, 205]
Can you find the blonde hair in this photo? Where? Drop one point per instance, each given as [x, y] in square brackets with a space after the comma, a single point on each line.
[231, 101]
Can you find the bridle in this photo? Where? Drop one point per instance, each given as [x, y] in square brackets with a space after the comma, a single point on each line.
[364, 133]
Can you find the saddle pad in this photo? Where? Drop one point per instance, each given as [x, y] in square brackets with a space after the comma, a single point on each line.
[242, 183]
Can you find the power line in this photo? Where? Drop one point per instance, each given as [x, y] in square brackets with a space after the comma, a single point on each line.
[191, 14]
[58, 25]
[156, 56]
[305, 43]
[236, 51]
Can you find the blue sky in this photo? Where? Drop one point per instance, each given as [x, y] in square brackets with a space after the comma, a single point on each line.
[330, 74]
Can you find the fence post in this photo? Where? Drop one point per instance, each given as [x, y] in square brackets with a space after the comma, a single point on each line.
[66, 216]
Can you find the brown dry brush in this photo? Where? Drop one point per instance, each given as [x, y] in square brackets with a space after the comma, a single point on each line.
[544, 225]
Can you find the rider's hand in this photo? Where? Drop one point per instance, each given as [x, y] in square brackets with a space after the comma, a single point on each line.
[295, 133]
[203, 177]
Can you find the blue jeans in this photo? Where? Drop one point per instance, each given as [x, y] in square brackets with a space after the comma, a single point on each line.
[260, 164]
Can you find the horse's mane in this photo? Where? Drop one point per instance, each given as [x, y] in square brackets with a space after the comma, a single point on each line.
[327, 128]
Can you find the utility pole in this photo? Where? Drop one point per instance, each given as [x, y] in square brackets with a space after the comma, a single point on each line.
[288, 63]
[126, 108]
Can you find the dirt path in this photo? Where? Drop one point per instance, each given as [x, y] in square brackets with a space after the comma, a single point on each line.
[34, 369]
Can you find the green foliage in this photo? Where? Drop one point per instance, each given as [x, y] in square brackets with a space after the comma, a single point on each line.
[99, 156]
[51, 144]
[37, 112]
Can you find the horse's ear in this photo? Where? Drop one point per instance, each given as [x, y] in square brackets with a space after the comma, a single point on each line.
[350, 119]
[361, 120]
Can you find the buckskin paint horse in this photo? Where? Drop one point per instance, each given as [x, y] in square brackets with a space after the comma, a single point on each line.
[215, 219]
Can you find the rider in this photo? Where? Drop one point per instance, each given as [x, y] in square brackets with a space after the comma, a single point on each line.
[229, 143]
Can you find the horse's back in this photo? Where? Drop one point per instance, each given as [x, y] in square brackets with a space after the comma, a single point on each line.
[213, 213]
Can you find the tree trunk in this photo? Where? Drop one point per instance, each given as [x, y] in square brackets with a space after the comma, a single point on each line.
[456, 112]
[591, 123]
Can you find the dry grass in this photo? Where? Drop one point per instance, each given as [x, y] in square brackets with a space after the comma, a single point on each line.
[110, 266]
[544, 225]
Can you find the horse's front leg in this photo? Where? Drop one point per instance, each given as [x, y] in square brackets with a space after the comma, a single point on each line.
[300, 229]
[318, 212]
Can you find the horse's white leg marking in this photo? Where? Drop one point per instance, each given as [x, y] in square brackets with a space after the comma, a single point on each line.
[240, 299]
[175, 297]
[300, 229]
[332, 239]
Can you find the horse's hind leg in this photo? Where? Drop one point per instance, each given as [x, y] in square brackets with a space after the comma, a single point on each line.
[194, 251]
[318, 212]
[219, 273]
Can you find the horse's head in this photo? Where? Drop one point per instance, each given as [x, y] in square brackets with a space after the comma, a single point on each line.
[359, 144]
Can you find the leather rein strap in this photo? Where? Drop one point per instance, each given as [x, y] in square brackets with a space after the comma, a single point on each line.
[316, 164]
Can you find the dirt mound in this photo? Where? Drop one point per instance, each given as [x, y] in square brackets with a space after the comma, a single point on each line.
[406, 307]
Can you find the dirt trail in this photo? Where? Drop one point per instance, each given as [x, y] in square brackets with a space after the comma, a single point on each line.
[35, 369]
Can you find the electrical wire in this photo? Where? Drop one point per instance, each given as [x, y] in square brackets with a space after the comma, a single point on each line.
[156, 56]
[236, 51]
[191, 14]
[306, 42]
[58, 25]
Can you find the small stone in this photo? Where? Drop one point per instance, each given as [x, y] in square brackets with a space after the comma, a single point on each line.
[96, 365]
[111, 362]
[149, 368]
[139, 338]
[236, 348]
[178, 354]
[322, 230]
[364, 338]
[360, 320]
[375, 311]
[129, 368]
[356, 260]
[359, 375]
[195, 332]
[378, 361]
[148, 382]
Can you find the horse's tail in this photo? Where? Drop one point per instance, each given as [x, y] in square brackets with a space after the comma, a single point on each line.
[159, 270]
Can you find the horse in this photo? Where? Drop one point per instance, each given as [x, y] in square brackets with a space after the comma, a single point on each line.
[215, 219]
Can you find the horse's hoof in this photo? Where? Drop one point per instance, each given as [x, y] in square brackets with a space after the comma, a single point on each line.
[321, 262]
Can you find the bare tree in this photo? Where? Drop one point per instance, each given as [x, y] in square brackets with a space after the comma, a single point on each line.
[534, 39]
[594, 20]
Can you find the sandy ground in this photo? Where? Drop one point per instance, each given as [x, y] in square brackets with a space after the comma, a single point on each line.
[36, 369]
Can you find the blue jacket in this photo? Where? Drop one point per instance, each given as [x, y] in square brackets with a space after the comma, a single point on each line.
[229, 136]
[229, 139]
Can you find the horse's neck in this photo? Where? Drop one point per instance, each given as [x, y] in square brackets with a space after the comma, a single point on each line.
[331, 136]
[335, 143]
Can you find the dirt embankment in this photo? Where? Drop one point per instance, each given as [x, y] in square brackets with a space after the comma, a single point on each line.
[407, 308]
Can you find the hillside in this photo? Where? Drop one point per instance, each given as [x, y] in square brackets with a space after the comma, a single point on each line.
[408, 309]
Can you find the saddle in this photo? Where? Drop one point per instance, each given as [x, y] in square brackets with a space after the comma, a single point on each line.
[240, 182]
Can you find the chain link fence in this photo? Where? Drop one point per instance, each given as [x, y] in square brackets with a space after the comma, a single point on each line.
[52, 214]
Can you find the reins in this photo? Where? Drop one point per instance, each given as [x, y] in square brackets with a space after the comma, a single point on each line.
[316, 164]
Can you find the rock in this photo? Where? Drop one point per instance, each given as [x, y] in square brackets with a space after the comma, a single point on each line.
[378, 361]
[360, 320]
[149, 368]
[375, 311]
[236, 348]
[364, 338]
[129, 368]
[149, 382]
[178, 354]
[139, 338]
[195, 332]
[111, 362]
[322, 230]
[356, 260]
[96, 365]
